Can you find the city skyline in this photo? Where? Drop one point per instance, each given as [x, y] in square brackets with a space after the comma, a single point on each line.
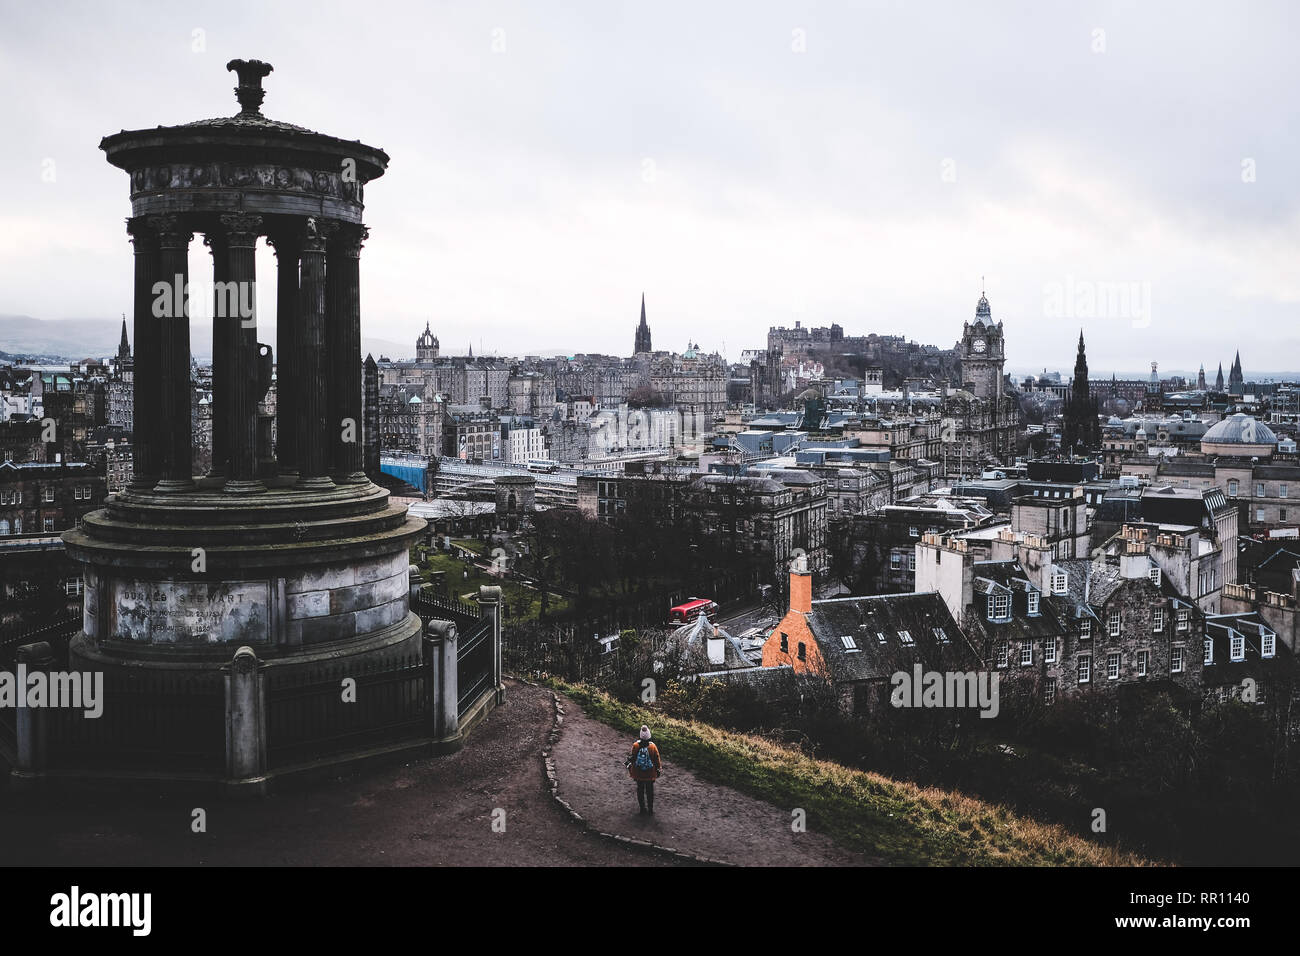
[558, 169]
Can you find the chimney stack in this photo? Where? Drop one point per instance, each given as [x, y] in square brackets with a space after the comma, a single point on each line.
[800, 586]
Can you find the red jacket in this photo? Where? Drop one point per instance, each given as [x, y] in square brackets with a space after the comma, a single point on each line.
[636, 774]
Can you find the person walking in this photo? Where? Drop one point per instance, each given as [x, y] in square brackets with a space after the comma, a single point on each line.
[644, 767]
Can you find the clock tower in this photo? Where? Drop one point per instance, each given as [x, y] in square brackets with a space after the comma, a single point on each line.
[982, 353]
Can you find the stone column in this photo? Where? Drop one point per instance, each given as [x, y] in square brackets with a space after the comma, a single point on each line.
[146, 433]
[31, 723]
[174, 394]
[241, 233]
[245, 730]
[440, 649]
[343, 350]
[370, 378]
[489, 602]
[311, 400]
[288, 331]
[216, 241]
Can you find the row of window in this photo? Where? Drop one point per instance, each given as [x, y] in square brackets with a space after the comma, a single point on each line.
[1237, 650]
[72, 587]
[8, 527]
[1237, 647]
[1233, 486]
[1085, 660]
[14, 496]
[896, 561]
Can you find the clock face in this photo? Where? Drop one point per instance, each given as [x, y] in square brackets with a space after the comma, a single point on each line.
[979, 345]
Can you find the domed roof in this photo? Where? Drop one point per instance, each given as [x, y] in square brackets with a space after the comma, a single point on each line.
[1240, 429]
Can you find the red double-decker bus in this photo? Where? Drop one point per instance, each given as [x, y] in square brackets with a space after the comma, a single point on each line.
[692, 609]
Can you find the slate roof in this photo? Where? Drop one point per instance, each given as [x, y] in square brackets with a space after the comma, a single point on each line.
[1021, 625]
[1287, 554]
[1099, 580]
[698, 632]
[1219, 629]
[864, 619]
[1277, 471]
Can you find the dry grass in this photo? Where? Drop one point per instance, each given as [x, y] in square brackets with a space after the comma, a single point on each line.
[893, 820]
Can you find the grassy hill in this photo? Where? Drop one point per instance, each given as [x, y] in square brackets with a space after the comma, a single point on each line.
[896, 821]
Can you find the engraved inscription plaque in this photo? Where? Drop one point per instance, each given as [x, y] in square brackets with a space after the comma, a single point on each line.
[191, 612]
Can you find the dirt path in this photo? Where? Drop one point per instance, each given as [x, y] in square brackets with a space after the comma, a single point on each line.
[691, 815]
[431, 812]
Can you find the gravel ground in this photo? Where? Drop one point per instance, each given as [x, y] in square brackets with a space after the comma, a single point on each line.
[433, 811]
[691, 815]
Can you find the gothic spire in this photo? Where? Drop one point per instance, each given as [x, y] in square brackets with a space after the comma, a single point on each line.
[642, 332]
[124, 347]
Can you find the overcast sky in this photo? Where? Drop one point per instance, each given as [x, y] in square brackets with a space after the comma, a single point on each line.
[745, 164]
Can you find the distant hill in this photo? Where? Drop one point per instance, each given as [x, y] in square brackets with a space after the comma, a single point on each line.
[63, 338]
[72, 339]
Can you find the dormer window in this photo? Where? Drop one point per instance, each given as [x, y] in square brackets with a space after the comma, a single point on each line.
[1268, 644]
[1209, 651]
[1060, 582]
[999, 606]
[906, 638]
[1154, 576]
[1238, 647]
[1032, 598]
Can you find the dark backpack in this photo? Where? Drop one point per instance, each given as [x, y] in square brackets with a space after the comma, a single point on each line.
[643, 761]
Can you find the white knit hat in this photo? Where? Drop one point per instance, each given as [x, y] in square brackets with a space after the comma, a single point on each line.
[645, 732]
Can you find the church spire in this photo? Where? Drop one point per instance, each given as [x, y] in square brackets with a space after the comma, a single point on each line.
[1236, 380]
[1079, 425]
[124, 347]
[642, 332]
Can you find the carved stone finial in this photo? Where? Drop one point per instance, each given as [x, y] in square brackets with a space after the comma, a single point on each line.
[249, 92]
